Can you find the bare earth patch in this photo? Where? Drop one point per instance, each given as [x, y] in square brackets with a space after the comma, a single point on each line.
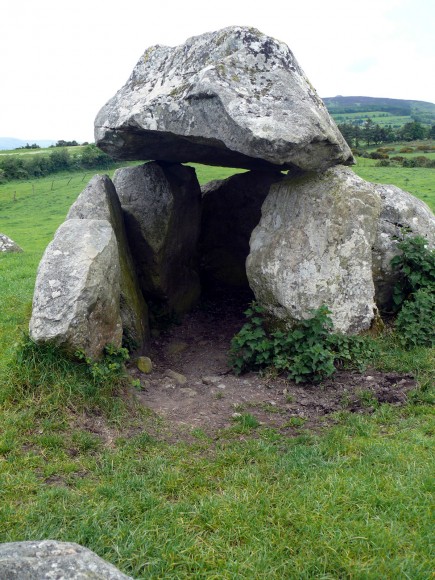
[191, 386]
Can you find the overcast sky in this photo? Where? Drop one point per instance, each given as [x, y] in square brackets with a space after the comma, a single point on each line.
[61, 61]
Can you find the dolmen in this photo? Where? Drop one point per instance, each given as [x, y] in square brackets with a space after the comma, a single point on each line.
[297, 227]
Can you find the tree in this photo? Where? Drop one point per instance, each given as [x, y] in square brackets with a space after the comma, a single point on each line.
[412, 131]
[92, 157]
[62, 143]
[368, 132]
[60, 160]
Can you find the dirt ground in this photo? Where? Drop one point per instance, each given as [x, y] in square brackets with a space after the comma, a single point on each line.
[192, 388]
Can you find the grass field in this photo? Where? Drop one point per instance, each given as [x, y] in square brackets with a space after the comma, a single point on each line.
[419, 181]
[378, 118]
[77, 464]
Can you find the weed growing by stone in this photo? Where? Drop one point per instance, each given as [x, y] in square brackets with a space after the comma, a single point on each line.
[307, 353]
[110, 367]
[414, 293]
[416, 266]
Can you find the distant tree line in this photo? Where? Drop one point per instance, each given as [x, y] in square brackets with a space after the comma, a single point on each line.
[373, 134]
[59, 159]
[63, 143]
[60, 143]
[28, 146]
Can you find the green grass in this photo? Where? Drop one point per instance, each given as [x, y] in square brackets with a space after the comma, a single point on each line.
[353, 503]
[42, 151]
[378, 117]
[419, 181]
[77, 462]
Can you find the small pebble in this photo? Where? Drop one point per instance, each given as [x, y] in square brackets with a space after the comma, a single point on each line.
[144, 364]
[211, 380]
[188, 392]
[177, 377]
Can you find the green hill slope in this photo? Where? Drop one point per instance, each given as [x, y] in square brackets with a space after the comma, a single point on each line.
[383, 111]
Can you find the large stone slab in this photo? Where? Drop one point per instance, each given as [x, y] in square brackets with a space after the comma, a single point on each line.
[8, 246]
[100, 201]
[313, 246]
[77, 290]
[402, 214]
[231, 208]
[50, 560]
[161, 204]
[234, 97]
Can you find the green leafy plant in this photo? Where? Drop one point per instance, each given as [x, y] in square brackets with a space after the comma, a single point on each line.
[415, 322]
[416, 267]
[414, 293]
[303, 352]
[251, 348]
[307, 353]
[110, 367]
[352, 352]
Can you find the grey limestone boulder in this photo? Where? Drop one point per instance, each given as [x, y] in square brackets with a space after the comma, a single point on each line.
[161, 204]
[52, 560]
[401, 214]
[313, 246]
[77, 290]
[7, 245]
[234, 97]
[100, 201]
[231, 208]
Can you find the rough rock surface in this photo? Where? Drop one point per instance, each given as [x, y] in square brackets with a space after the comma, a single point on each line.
[231, 208]
[100, 201]
[234, 97]
[161, 204]
[401, 214]
[7, 245]
[313, 246]
[49, 560]
[76, 299]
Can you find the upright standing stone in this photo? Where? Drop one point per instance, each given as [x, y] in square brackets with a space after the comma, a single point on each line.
[76, 299]
[231, 208]
[313, 246]
[161, 203]
[99, 200]
[234, 97]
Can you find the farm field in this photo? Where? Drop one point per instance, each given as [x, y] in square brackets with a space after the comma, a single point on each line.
[419, 181]
[348, 500]
[378, 117]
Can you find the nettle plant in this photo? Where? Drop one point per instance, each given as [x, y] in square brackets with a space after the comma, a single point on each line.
[309, 352]
[414, 293]
[110, 367]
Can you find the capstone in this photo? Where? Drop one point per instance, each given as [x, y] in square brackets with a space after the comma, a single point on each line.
[234, 97]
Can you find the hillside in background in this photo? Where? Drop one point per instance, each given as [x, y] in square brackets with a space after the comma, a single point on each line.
[396, 112]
